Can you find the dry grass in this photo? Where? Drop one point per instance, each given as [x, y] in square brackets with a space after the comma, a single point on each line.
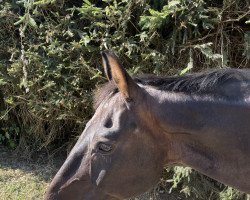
[22, 179]
[18, 184]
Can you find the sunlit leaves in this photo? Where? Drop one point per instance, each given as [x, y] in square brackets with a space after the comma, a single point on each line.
[207, 51]
[184, 14]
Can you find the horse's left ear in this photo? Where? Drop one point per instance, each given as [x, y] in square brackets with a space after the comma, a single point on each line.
[115, 71]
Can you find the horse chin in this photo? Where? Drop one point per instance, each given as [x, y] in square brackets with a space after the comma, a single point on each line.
[77, 191]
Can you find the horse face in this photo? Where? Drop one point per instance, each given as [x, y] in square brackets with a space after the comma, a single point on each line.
[117, 155]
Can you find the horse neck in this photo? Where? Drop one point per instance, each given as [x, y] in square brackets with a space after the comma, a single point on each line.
[204, 134]
[178, 112]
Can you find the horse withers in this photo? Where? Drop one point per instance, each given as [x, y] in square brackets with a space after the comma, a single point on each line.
[142, 124]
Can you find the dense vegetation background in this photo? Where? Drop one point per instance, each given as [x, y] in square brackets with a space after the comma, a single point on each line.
[50, 63]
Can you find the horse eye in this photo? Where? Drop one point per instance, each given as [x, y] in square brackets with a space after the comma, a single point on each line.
[103, 147]
[129, 99]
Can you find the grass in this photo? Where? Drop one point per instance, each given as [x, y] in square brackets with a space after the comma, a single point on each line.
[23, 179]
[20, 185]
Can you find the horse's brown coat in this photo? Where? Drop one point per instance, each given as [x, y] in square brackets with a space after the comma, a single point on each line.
[200, 120]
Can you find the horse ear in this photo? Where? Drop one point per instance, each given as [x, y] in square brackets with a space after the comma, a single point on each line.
[115, 71]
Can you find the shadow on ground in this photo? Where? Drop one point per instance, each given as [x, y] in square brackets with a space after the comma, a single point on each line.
[41, 166]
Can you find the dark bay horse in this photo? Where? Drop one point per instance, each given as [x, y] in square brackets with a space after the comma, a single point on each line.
[142, 124]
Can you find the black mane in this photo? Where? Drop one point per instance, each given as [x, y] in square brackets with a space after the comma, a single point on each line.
[197, 83]
[204, 82]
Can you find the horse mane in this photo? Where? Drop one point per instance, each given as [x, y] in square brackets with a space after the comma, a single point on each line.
[196, 83]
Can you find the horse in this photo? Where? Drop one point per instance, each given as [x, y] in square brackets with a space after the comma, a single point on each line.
[142, 124]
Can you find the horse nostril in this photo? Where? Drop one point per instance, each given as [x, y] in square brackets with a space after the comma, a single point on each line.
[108, 123]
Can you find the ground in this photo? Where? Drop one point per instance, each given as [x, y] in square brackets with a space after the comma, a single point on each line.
[27, 179]
[23, 179]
